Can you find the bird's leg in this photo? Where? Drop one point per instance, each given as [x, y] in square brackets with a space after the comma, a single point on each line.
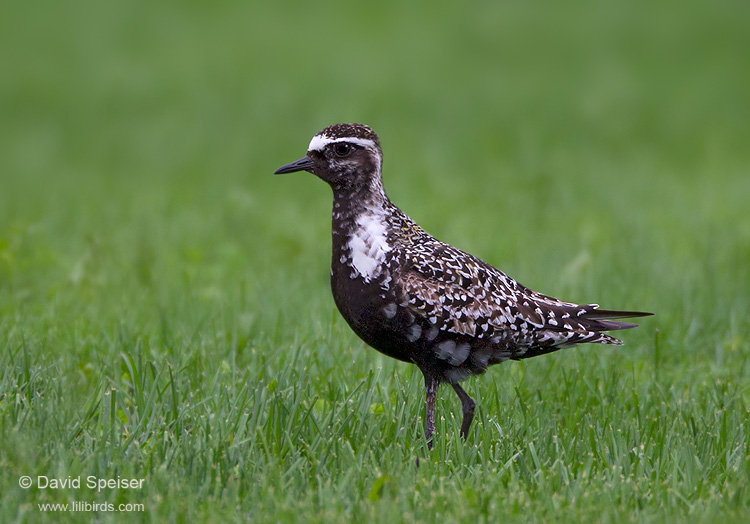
[467, 404]
[430, 388]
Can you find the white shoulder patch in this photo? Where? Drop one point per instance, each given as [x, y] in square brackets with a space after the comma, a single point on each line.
[319, 142]
[368, 246]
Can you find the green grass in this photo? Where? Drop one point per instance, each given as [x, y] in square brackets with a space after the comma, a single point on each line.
[165, 310]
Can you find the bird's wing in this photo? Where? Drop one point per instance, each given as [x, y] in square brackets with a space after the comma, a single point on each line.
[460, 294]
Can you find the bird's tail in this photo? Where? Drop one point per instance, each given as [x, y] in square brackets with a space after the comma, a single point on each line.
[608, 319]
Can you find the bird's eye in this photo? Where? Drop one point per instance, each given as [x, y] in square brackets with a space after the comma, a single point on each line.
[342, 149]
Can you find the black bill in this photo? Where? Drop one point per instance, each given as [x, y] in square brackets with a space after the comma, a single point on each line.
[303, 164]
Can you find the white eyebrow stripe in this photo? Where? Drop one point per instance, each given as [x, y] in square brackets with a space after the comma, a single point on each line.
[319, 142]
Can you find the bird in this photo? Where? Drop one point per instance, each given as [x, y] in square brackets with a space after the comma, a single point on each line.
[425, 302]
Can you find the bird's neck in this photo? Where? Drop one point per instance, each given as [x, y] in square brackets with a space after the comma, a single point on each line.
[358, 213]
[351, 202]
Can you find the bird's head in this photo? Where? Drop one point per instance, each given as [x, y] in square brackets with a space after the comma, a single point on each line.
[344, 155]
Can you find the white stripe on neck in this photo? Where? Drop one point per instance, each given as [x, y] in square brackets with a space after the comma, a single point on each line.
[319, 142]
[368, 245]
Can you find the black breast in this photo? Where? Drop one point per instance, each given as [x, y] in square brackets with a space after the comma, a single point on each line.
[369, 307]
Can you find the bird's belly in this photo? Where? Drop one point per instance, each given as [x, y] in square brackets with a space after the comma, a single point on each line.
[370, 311]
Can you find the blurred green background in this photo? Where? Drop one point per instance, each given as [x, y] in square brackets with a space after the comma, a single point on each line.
[596, 151]
[138, 141]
